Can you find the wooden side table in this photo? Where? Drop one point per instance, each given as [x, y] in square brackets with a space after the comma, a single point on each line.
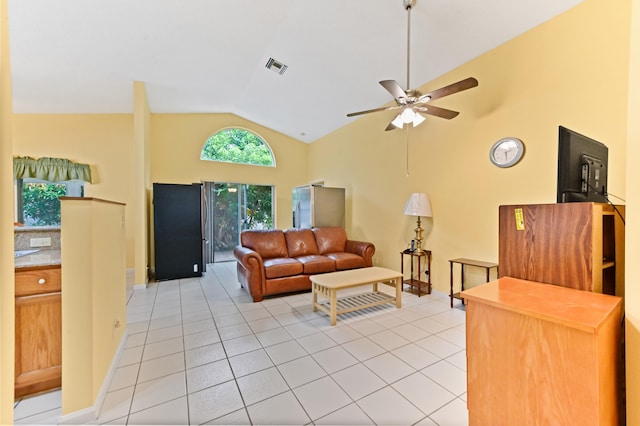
[414, 280]
[466, 262]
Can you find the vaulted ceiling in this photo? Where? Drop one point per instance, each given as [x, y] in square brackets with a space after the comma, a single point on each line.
[209, 56]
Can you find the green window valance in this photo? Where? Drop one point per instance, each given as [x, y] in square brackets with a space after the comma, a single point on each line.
[50, 169]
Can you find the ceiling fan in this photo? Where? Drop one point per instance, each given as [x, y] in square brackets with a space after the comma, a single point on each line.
[413, 103]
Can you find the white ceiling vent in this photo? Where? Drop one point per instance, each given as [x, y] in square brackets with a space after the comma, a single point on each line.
[276, 66]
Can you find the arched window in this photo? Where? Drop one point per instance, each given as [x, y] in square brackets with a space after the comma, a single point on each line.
[241, 146]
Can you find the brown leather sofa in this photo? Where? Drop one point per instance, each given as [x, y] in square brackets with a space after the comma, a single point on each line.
[273, 262]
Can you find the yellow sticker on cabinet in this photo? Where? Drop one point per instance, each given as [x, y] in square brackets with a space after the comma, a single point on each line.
[519, 220]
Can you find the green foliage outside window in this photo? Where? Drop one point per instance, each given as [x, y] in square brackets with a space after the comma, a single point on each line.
[237, 146]
[225, 218]
[259, 207]
[257, 211]
[41, 203]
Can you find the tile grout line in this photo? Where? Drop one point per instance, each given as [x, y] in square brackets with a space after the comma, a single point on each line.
[135, 385]
[297, 305]
[184, 354]
[215, 324]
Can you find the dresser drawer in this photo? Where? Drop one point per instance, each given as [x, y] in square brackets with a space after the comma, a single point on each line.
[38, 280]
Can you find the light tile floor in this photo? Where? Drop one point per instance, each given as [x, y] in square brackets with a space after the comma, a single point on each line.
[200, 352]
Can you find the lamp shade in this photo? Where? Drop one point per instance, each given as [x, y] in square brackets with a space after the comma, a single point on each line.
[418, 205]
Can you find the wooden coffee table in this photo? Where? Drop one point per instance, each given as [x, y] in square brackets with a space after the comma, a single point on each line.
[329, 284]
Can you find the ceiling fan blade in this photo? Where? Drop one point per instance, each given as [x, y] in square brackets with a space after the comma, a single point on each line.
[394, 124]
[353, 114]
[437, 111]
[394, 88]
[461, 85]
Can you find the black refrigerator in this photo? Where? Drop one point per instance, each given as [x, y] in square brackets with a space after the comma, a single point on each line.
[178, 220]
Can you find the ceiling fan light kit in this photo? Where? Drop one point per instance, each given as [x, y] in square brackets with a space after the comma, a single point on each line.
[412, 102]
[407, 116]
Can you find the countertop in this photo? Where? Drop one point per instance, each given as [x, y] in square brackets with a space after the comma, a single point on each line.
[39, 258]
[584, 310]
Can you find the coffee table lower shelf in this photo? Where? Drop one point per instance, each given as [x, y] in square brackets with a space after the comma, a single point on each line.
[356, 302]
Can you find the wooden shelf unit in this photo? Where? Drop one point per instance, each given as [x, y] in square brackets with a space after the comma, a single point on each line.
[414, 280]
[576, 245]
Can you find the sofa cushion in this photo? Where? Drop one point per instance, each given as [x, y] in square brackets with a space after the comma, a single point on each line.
[330, 239]
[316, 264]
[282, 267]
[287, 284]
[346, 261]
[300, 242]
[268, 243]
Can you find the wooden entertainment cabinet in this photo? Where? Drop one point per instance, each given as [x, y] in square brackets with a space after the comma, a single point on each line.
[576, 245]
[550, 354]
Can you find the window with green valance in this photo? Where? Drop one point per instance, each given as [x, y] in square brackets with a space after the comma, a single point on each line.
[50, 169]
[39, 183]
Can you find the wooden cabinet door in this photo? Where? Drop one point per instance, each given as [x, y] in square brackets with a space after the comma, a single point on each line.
[38, 363]
[552, 244]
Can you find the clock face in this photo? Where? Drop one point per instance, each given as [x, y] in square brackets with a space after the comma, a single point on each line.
[506, 152]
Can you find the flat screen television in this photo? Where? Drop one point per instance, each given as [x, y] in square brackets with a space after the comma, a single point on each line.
[582, 168]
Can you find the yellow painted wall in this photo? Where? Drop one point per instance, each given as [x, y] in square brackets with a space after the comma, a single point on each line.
[142, 185]
[104, 141]
[176, 143]
[172, 153]
[93, 296]
[570, 71]
[632, 291]
[7, 313]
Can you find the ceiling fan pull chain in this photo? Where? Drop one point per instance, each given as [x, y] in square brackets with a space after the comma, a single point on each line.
[407, 149]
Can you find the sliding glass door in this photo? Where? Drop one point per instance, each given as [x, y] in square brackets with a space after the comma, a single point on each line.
[232, 208]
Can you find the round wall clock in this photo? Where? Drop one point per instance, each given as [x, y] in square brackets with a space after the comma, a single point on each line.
[506, 152]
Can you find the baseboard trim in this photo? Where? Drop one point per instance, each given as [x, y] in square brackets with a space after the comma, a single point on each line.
[90, 414]
[81, 417]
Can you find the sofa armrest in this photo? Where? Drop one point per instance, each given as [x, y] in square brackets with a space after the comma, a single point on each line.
[250, 268]
[248, 257]
[362, 249]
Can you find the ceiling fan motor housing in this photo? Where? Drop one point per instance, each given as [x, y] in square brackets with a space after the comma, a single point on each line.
[408, 4]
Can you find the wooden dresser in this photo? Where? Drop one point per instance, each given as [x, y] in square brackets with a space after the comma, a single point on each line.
[540, 354]
[38, 362]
